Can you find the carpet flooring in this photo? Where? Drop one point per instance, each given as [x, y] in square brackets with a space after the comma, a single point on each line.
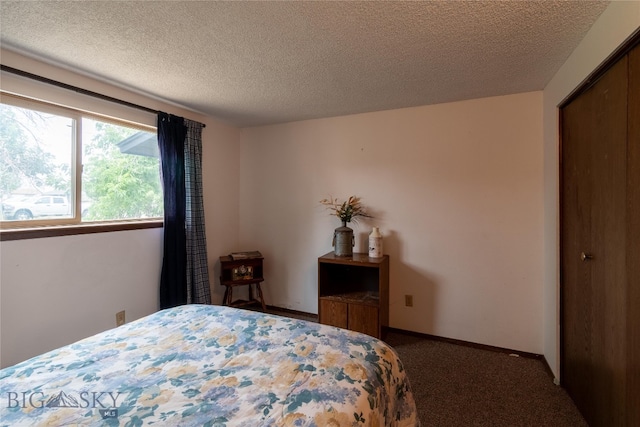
[456, 385]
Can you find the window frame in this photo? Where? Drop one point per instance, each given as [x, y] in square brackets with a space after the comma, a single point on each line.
[50, 227]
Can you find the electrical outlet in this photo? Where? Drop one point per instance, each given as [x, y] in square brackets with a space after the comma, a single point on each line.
[120, 318]
[408, 300]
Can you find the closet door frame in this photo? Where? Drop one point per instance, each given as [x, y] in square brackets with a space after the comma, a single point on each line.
[633, 219]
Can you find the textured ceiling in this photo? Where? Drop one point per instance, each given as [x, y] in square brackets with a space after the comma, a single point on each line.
[253, 63]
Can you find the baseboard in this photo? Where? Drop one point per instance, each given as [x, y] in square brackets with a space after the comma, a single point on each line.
[290, 311]
[547, 368]
[474, 345]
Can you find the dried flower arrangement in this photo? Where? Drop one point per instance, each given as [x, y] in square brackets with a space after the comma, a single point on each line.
[348, 210]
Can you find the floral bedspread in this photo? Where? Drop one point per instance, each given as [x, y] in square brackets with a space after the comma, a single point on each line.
[203, 365]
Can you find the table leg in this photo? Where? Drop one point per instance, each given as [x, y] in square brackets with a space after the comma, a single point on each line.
[259, 289]
[226, 294]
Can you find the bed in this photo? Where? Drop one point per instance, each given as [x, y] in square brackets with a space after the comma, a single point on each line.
[212, 366]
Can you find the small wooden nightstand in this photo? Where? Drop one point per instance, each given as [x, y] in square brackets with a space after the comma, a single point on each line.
[353, 292]
[241, 272]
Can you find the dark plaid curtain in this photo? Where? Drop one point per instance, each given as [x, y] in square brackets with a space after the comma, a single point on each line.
[198, 290]
[185, 272]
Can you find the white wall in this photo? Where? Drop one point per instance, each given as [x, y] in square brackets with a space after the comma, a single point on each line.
[618, 21]
[54, 291]
[59, 290]
[455, 188]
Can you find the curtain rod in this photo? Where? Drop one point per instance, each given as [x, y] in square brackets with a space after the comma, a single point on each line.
[78, 89]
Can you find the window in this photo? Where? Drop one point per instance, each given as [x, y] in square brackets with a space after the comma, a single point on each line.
[63, 166]
[121, 177]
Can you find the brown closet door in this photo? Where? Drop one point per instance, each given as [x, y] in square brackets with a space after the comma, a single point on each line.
[633, 242]
[593, 249]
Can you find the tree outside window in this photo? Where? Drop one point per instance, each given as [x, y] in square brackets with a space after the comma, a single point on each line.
[119, 166]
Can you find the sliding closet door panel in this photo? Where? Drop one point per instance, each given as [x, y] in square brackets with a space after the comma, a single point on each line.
[576, 294]
[608, 267]
[633, 242]
[593, 270]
